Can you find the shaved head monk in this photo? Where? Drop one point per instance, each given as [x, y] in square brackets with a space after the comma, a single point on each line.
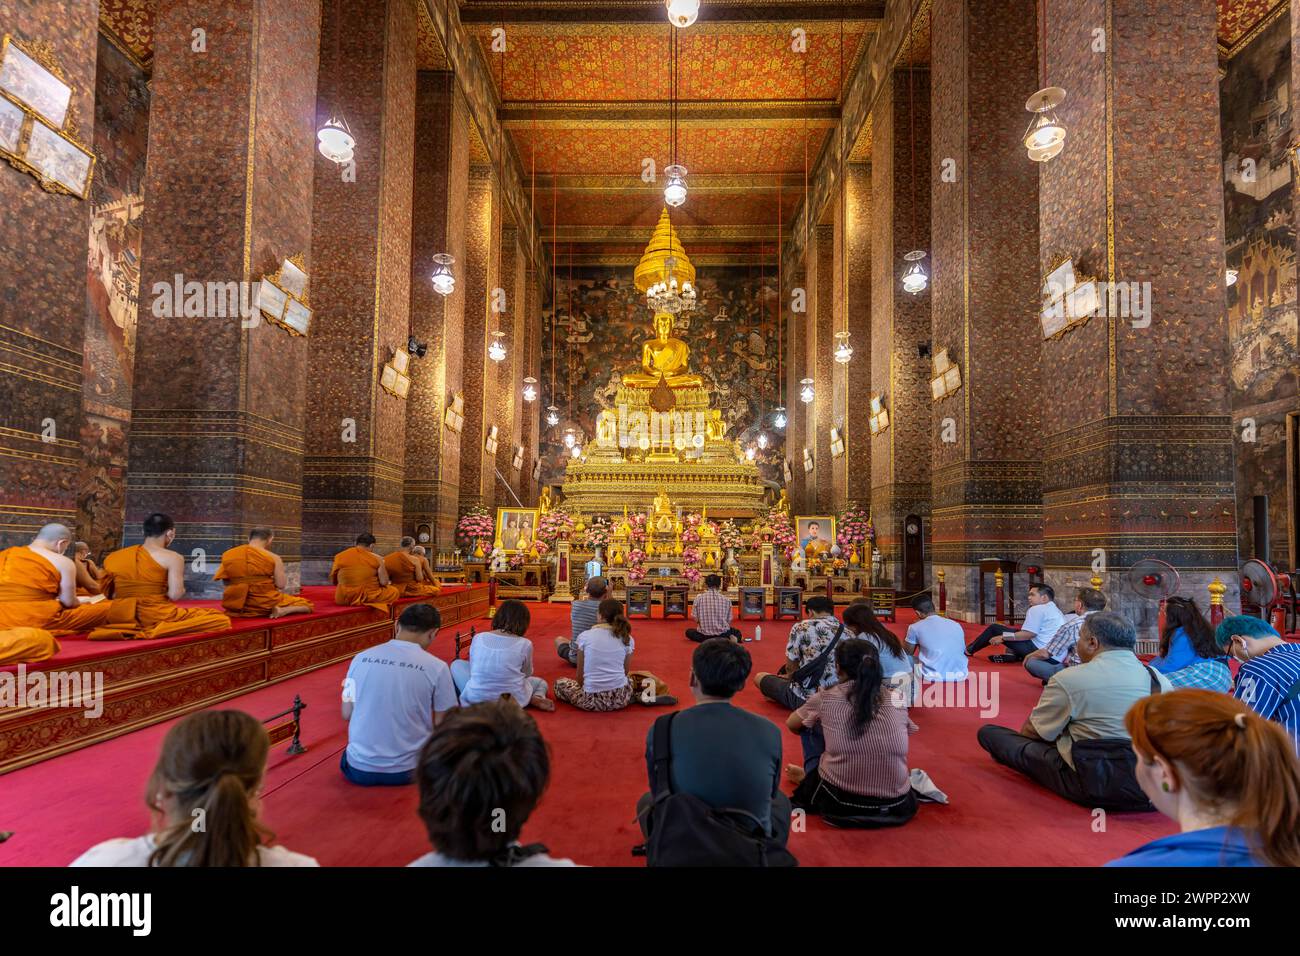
[38, 598]
[147, 578]
[406, 570]
[360, 578]
[255, 580]
[419, 553]
[89, 576]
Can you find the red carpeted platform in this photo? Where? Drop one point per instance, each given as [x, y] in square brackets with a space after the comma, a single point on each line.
[62, 806]
[151, 680]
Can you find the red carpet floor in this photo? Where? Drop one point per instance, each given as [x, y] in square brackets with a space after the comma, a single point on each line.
[59, 808]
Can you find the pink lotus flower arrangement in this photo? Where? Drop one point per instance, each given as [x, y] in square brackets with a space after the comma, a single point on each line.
[637, 523]
[517, 560]
[474, 525]
[554, 523]
[855, 528]
[597, 536]
[729, 535]
[782, 531]
[635, 564]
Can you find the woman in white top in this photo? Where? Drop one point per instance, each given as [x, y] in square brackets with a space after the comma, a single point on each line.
[210, 769]
[604, 656]
[501, 662]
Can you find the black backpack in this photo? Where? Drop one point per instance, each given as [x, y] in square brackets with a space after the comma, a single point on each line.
[683, 830]
[1107, 769]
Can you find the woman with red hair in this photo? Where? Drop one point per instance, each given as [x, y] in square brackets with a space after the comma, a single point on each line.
[1228, 776]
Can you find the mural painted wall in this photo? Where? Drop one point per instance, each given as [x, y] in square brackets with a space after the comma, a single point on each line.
[595, 332]
[112, 289]
[1256, 119]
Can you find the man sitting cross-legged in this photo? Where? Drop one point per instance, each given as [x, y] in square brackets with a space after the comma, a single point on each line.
[712, 612]
[810, 641]
[1074, 742]
[583, 616]
[406, 571]
[725, 756]
[1059, 653]
[1040, 624]
[393, 696]
[90, 579]
[255, 580]
[38, 598]
[360, 578]
[146, 579]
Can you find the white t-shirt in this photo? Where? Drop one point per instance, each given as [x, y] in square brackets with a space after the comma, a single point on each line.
[136, 852]
[1044, 620]
[395, 689]
[499, 664]
[435, 858]
[941, 647]
[603, 657]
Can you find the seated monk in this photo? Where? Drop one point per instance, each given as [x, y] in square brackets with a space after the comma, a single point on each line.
[419, 553]
[255, 580]
[406, 571]
[360, 577]
[38, 598]
[90, 579]
[147, 578]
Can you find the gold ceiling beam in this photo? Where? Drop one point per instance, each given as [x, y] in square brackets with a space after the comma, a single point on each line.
[763, 114]
[498, 12]
[861, 90]
[475, 81]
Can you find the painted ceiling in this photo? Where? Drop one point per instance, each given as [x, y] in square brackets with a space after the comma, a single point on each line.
[583, 85]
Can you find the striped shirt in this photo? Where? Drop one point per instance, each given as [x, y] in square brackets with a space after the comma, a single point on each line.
[712, 611]
[582, 617]
[872, 765]
[1062, 647]
[1268, 683]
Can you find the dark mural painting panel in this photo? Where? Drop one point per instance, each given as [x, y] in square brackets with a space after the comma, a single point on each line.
[1255, 98]
[112, 291]
[599, 323]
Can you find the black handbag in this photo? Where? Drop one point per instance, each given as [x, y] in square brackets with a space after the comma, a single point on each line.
[683, 830]
[809, 676]
[1107, 769]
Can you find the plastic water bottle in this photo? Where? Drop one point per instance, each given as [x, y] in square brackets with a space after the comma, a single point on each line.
[758, 632]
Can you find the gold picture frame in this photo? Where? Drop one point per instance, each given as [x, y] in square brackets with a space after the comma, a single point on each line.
[454, 417]
[516, 529]
[804, 535]
[37, 86]
[36, 120]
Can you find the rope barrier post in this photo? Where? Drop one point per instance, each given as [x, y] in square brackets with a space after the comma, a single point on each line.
[1217, 589]
[999, 595]
[943, 592]
[295, 746]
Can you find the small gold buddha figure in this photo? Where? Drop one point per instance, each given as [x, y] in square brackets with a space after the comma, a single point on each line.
[666, 356]
[715, 429]
[663, 505]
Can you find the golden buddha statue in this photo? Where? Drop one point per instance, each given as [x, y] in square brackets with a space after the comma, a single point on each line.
[663, 505]
[664, 355]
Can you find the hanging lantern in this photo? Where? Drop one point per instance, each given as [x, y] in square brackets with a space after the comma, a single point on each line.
[779, 421]
[843, 351]
[1046, 134]
[552, 415]
[675, 191]
[915, 279]
[749, 453]
[682, 13]
[806, 393]
[444, 282]
[497, 350]
[762, 439]
[530, 389]
[575, 451]
[1230, 277]
[335, 141]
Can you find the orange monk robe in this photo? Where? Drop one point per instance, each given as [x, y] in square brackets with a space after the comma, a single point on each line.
[249, 574]
[88, 583]
[401, 574]
[135, 580]
[355, 575]
[31, 616]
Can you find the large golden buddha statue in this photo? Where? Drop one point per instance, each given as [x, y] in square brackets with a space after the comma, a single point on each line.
[664, 355]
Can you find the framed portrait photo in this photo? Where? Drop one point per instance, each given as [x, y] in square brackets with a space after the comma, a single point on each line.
[27, 81]
[816, 532]
[11, 126]
[59, 160]
[516, 528]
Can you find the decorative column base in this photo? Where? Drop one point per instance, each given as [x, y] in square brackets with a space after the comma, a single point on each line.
[562, 594]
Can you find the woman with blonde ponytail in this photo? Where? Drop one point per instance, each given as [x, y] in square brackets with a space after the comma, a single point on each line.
[604, 658]
[204, 794]
[1229, 777]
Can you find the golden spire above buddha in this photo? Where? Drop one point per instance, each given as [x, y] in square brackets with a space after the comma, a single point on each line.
[664, 356]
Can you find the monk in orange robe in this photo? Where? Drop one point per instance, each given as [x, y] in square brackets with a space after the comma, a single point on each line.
[147, 578]
[406, 571]
[255, 579]
[360, 577]
[90, 579]
[38, 598]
